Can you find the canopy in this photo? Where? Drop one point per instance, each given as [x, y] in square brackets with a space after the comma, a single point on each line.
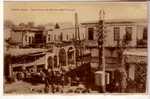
[136, 56]
[19, 52]
[39, 61]
[135, 52]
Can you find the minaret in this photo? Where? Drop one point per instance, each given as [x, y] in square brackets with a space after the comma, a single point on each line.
[77, 34]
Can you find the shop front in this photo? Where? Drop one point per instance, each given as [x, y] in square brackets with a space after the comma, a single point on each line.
[136, 68]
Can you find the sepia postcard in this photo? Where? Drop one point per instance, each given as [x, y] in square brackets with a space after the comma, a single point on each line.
[79, 47]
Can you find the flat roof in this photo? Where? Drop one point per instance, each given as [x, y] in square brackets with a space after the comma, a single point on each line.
[111, 21]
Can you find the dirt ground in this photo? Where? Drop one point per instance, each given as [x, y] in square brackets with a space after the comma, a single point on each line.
[21, 87]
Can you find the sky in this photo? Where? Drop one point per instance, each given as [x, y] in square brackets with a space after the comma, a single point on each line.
[52, 12]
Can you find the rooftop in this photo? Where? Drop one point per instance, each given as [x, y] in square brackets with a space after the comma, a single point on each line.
[23, 28]
[19, 52]
[111, 21]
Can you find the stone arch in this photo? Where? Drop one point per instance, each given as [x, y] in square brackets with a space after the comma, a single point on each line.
[62, 57]
[50, 62]
[55, 61]
[71, 55]
[77, 52]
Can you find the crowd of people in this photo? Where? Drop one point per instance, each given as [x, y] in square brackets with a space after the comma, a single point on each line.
[57, 81]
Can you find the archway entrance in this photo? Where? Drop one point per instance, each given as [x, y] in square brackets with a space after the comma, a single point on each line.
[71, 57]
[50, 62]
[62, 57]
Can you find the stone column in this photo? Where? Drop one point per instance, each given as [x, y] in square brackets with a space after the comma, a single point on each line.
[53, 62]
[74, 55]
[66, 58]
[132, 71]
[10, 70]
[46, 63]
[35, 65]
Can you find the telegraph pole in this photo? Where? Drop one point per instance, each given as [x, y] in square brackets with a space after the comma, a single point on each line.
[101, 42]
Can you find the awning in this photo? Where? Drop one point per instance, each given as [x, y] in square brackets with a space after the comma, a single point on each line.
[136, 56]
[136, 52]
[39, 61]
[19, 52]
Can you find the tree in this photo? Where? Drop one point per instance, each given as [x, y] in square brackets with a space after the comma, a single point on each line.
[30, 24]
[8, 24]
[22, 24]
[57, 26]
[122, 46]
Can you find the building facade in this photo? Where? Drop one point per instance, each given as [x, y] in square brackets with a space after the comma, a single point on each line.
[64, 35]
[115, 33]
[26, 36]
[35, 60]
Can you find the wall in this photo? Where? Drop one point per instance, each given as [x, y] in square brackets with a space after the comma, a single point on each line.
[67, 34]
[16, 36]
[26, 37]
[137, 32]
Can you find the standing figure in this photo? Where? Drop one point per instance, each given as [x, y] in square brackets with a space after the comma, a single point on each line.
[46, 89]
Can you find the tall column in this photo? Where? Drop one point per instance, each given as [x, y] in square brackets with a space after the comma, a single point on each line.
[53, 62]
[66, 58]
[74, 55]
[46, 63]
[57, 54]
[10, 70]
[35, 65]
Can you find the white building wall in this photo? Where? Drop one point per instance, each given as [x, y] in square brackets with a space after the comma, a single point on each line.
[137, 32]
[67, 31]
[17, 36]
[109, 38]
[26, 37]
[132, 71]
[7, 33]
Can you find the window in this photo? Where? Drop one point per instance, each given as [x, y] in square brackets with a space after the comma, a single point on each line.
[83, 36]
[145, 33]
[67, 37]
[49, 61]
[26, 38]
[49, 37]
[73, 36]
[116, 33]
[71, 56]
[30, 40]
[90, 33]
[55, 37]
[55, 61]
[129, 33]
[61, 36]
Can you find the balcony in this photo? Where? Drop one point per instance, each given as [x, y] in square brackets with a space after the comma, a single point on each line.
[142, 43]
[91, 43]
